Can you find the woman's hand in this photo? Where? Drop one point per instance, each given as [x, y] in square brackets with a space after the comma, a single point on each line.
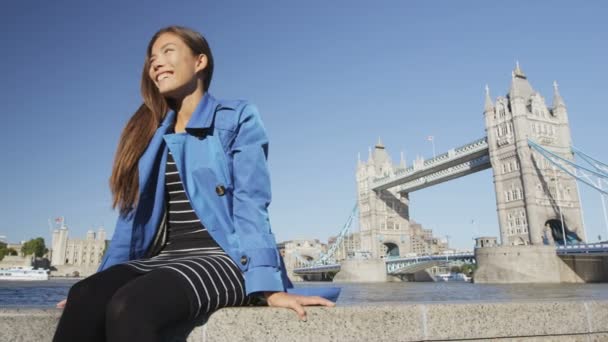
[295, 302]
[61, 304]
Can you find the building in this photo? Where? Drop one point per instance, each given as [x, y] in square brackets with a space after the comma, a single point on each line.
[85, 254]
[297, 253]
[351, 243]
[384, 218]
[531, 194]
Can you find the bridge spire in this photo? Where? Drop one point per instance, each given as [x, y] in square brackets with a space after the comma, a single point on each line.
[402, 162]
[518, 72]
[558, 101]
[488, 106]
[520, 87]
[370, 159]
[379, 144]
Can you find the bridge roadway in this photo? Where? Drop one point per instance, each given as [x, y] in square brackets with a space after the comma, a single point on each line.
[455, 163]
[404, 265]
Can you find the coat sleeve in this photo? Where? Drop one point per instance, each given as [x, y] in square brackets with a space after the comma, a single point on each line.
[259, 259]
[118, 251]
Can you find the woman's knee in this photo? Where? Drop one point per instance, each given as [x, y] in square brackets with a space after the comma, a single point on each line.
[123, 308]
[82, 293]
[96, 289]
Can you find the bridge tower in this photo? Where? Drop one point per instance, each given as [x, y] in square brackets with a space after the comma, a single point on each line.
[530, 194]
[384, 215]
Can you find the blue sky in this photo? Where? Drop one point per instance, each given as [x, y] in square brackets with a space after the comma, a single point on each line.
[328, 78]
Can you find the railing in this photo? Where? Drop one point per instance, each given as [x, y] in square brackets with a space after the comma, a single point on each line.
[454, 154]
[430, 257]
[485, 160]
[588, 248]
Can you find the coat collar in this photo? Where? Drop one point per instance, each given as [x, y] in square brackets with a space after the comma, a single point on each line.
[201, 118]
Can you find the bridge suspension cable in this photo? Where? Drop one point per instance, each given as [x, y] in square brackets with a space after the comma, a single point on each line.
[581, 173]
[327, 258]
[557, 161]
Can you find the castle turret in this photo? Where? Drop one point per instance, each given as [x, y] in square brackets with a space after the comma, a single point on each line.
[101, 234]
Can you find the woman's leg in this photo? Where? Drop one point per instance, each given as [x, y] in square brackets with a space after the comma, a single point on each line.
[83, 317]
[143, 307]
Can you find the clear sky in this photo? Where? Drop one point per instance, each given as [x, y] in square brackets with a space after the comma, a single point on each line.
[329, 78]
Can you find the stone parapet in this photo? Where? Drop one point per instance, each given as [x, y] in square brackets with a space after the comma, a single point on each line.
[536, 264]
[503, 321]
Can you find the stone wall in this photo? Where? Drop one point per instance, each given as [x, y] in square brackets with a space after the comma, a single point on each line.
[536, 264]
[521, 321]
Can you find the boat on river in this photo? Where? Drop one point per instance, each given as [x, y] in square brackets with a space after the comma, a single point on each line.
[453, 277]
[24, 273]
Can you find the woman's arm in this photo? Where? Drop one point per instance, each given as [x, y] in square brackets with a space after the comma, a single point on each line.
[251, 197]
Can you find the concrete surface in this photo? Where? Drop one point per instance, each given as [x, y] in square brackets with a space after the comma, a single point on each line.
[536, 264]
[502, 321]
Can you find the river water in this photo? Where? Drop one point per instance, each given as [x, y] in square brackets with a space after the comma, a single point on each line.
[48, 293]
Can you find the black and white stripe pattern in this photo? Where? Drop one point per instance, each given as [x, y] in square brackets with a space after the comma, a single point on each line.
[214, 278]
[185, 229]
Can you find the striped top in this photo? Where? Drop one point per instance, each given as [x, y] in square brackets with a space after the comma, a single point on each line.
[184, 229]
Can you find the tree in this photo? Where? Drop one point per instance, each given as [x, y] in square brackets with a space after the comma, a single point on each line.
[455, 269]
[34, 246]
[468, 269]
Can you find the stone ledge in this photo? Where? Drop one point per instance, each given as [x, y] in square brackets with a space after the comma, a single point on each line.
[521, 321]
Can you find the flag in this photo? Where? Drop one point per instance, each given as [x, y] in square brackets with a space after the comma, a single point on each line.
[430, 138]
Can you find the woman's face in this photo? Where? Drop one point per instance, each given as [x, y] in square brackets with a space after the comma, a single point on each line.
[173, 67]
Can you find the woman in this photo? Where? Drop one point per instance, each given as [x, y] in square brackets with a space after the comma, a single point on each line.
[192, 185]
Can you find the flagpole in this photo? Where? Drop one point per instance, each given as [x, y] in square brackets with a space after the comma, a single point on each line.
[431, 138]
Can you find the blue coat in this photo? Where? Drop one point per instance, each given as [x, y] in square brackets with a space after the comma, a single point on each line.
[221, 159]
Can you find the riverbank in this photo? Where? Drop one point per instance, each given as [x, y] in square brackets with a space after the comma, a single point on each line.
[556, 320]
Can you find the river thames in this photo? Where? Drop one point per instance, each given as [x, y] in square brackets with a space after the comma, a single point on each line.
[48, 293]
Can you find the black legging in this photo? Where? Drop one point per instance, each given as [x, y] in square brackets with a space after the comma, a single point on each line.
[115, 305]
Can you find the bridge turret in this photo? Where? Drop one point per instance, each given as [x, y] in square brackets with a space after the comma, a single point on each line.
[526, 194]
[558, 101]
[559, 106]
[488, 107]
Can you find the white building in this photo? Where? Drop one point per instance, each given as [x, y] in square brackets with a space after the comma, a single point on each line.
[88, 251]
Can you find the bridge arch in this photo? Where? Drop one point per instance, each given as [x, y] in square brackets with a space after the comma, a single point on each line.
[391, 249]
[307, 257]
[520, 241]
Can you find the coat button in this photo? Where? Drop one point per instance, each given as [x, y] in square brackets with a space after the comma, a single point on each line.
[243, 260]
[220, 190]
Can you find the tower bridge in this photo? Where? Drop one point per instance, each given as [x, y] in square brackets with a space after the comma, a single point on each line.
[527, 145]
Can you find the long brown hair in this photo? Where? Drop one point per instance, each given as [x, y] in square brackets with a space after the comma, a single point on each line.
[135, 137]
